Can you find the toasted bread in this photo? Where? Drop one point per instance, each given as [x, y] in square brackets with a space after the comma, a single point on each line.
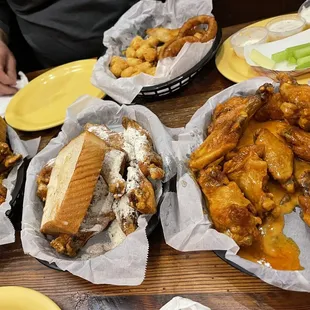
[72, 183]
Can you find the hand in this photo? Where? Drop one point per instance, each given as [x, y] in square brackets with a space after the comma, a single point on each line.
[7, 71]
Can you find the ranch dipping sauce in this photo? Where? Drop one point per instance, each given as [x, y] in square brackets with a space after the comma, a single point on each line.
[285, 26]
[304, 11]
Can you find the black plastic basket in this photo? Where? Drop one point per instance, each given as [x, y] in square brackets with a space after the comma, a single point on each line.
[152, 224]
[177, 83]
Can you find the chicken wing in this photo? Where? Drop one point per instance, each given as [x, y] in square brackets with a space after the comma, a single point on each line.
[228, 122]
[43, 179]
[140, 191]
[298, 140]
[302, 176]
[279, 158]
[231, 213]
[271, 110]
[297, 100]
[139, 146]
[249, 172]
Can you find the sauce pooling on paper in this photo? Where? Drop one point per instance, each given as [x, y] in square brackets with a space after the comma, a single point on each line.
[273, 248]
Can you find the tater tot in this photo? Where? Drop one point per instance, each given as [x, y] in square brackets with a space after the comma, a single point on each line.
[144, 66]
[140, 51]
[117, 59]
[117, 65]
[130, 71]
[151, 71]
[136, 42]
[150, 54]
[130, 52]
[152, 41]
[133, 61]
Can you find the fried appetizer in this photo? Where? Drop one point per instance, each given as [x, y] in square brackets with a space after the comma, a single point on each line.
[126, 216]
[172, 48]
[139, 147]
[228, 122]
[112, 171]
[163, 34]
[193, 22]
[140, 191]
[112, 138]
[298, 140]
[279, 158]
[117, 65]
[271, 110]
[7, 161]
[297, 100]
[302, 176]
[249, 171]
[136, 42]
[231, 213]
[43, 179]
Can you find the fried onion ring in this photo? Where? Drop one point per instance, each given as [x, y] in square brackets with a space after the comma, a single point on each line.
[172, 48]
[199, 20]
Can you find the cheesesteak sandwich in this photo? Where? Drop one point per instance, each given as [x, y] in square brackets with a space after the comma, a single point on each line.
[91, 183]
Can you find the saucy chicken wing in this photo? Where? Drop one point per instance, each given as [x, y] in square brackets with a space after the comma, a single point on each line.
[279, 158]
[297, 100]
[271, 110]
[298, 140]
[231, 213]
[249, 172]
[302, 176]
[228, 122]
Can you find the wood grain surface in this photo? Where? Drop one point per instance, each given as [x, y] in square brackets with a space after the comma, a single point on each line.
[201, 276]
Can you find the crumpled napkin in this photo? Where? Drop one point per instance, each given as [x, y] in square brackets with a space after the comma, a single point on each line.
[5, 100]
[180, 303]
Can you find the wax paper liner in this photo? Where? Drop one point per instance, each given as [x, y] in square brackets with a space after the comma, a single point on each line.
[270, 48]
[7, 231]
[187, 228]
[143, 15]
[181, 303]
[125, 264]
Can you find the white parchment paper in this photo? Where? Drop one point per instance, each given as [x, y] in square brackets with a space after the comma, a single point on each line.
[25, 148]
[143, 15]
[181, 303]
[187, 228]
[125, 264]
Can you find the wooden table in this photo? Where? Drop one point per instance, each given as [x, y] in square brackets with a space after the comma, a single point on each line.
[201, 276]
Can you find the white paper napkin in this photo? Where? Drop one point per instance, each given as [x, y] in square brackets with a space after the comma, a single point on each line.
[5, 100]
[180, 303]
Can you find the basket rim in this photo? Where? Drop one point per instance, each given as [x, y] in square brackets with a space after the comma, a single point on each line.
[199, 65]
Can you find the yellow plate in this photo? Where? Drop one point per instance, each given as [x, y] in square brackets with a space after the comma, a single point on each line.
[43, 102]
[236, 69]
[21, 298]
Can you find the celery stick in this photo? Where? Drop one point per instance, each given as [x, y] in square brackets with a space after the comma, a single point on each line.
[279, 57]
[303, 66]
[303, 60]
[297, 47]
[303, 52]
[262, 60]
[292, 60]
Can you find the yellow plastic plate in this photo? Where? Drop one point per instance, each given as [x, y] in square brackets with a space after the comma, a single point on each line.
[21, 298]
[43, 102]
[236, 69]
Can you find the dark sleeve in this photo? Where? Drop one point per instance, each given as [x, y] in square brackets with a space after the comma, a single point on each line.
[5, 16]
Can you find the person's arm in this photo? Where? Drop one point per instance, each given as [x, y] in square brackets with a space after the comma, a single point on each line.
[7, 60]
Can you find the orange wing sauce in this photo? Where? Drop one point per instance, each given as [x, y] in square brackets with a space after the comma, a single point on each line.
[273, 248]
